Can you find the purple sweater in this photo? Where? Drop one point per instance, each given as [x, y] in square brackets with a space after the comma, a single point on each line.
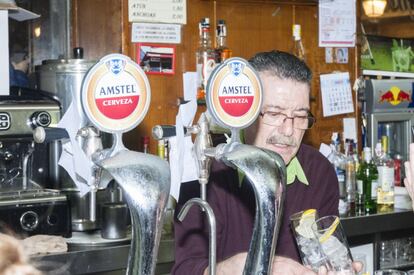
[234, 208]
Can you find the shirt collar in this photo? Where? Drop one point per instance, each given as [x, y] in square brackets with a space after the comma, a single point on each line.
[293, 170]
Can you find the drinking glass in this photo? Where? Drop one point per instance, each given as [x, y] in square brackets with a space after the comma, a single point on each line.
[309, 248]
[332, 239]
[389, 272]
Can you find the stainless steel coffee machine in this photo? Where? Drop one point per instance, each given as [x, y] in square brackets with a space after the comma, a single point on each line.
[28, 202]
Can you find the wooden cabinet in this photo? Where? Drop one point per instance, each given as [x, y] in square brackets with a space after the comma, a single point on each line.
[102, 27]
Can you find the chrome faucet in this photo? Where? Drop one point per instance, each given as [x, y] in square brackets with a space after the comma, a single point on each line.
[266, 172]
[202, 142]
[212, 224]
[145, 181]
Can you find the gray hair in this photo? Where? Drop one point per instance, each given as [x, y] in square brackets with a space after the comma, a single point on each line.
[282, 65]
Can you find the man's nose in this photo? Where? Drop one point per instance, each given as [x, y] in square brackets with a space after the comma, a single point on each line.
[287, 127]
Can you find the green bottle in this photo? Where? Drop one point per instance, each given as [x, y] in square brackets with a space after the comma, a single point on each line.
[367, 177]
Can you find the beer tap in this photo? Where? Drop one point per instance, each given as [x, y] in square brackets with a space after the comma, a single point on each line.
[92, 143]
[145, 180]
[212, 224]
[267, 174]
[264, 169]
[201, 143]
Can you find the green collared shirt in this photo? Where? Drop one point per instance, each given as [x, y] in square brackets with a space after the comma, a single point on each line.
[294, 170]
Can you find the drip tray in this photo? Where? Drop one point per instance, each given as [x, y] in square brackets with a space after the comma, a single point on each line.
[80, 239]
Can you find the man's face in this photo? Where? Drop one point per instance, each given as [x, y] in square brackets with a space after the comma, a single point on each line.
[290, 98]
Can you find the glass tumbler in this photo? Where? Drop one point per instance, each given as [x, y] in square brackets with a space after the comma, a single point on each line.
[309, 248]
[332, 239]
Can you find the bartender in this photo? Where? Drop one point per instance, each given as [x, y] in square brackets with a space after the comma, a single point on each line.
[311, 179]
[19, 66]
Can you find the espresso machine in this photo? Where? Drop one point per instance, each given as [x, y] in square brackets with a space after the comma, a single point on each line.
[389, 111]
[29, 201]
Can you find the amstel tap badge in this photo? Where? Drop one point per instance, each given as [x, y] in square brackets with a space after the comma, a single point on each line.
[395, 96]
[116, 94]
[234, 94]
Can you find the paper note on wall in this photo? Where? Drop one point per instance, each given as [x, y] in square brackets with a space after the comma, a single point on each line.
[350, 129]
[4, 53]
[336, 94]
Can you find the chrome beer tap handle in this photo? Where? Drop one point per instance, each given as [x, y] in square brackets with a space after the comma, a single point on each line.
[266, 172]
[145, 180]
[212, 224]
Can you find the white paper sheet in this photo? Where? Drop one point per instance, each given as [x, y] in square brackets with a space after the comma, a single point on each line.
[337, 23]
[325, 149]
[80, 169]
[4, 53]
[350, 129]
[181, 147]
[336, 94]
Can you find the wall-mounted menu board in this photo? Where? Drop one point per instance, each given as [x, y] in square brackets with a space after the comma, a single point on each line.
[162, 11]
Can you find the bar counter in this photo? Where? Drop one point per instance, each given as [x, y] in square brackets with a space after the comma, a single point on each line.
[112, 259]
[94, 259]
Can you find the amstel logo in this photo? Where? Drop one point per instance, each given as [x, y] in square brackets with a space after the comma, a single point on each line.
[395, 96]
[116, 94]
[234, 94]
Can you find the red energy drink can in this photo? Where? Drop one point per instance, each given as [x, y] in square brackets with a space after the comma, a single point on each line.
[397, 169]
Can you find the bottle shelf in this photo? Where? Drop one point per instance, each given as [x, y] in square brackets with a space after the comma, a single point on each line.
[387, 73]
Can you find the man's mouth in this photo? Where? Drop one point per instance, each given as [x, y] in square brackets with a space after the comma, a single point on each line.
[280, 145]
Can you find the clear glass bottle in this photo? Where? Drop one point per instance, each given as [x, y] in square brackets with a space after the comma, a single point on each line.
[350, 178]
[366, 175]
[298, 49]
[385, 191]
[222, 50]
[338, 161]
[205, 58]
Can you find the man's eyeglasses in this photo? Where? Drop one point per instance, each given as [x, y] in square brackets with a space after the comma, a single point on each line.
[299, 122]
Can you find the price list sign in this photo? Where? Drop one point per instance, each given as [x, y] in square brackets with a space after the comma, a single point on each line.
[161, 11]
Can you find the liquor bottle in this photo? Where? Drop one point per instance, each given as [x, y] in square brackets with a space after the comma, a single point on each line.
[385, 166]
[145, 144]
[205, 58]
[298, 49]
[161, 149]
[350, 178]
[222, 51]
[338, 161]
[398, 163]
[377, 155]
[366, 175]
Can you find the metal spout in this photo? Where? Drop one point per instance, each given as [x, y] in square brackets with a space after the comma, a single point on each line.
[212, 224]
[266, 172]
[145, 180]
[201, 143]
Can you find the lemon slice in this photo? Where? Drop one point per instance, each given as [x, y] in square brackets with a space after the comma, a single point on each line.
[306, 220]
[329, 231]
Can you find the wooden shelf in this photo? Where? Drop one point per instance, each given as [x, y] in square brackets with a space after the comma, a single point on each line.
[387, 73]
